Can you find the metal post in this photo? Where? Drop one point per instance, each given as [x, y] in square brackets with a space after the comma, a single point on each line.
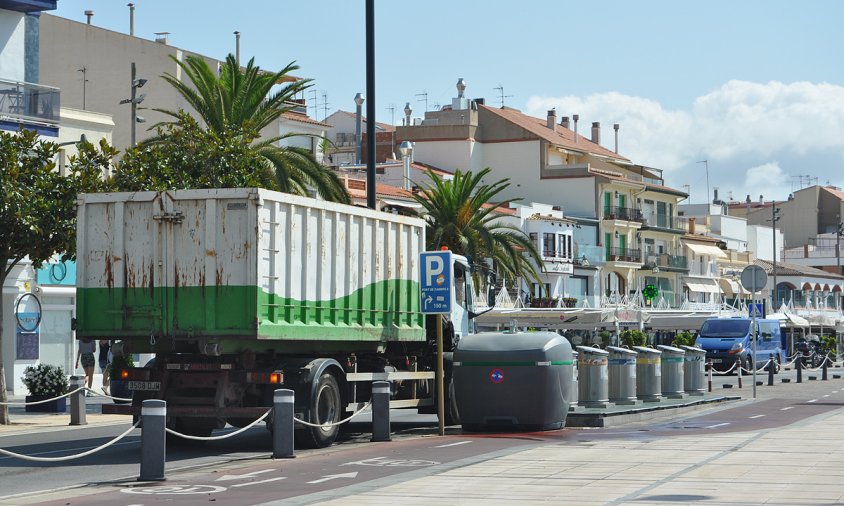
[380, 411]
[753, 347]
[77, 402]
[771, 371]
[358, 106]
[774, 268]
[283, 408]
[370, 106]
[799, 363]
[153, 440]
[133, 105]
[709, 366]
[440, 377]
[824, 368]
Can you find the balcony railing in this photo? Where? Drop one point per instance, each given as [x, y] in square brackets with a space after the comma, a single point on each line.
[668, 262]
[666, 222]
[29, 101]
[623, 255]
[588, 255]
[622, 213]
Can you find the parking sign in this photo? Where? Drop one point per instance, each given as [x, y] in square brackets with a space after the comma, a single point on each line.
[435, 282]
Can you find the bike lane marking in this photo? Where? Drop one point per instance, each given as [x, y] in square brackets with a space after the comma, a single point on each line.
[452, 444]
[268, 480]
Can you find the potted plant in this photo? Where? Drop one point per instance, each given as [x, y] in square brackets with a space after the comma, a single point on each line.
[570, 301]
[684, 338]
[118, 386]
[631, 338]
[45, 381]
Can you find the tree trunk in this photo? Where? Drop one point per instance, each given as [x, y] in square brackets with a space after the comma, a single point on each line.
[4, 409]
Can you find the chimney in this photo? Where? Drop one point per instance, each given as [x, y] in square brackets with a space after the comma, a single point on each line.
[131, 19]
[715, 199]
[407, 112]
[89, 15]
[761, 199]
[596, 132]
[565, 122]
[237, 47]
[615, 127]
[747, 200]
[691, 225]
[162, 37]
[575, 117]
[551, 122]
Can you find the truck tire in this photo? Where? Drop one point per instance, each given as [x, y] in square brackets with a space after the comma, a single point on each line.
[326, 406]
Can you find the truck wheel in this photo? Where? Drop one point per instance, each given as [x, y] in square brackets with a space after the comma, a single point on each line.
[325, 407]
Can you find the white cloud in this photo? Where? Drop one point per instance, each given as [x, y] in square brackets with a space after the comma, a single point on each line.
[738, 125]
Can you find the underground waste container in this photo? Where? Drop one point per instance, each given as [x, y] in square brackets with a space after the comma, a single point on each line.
[672, 371]
[512, 380]
[621, 365]
[648, 374]
[694, 370]
[573, 388]
[593, 379]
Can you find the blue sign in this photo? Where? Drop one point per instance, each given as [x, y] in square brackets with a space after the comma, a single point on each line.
[435, 282]
[756, 310]
[496, 376]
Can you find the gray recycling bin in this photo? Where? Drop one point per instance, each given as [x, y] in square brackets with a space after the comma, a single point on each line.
[512, 380]
[672, 371]
[621, 365]
[592, 377]
[648, 374]
[694, 370]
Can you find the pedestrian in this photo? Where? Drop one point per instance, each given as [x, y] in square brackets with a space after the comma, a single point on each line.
[104, 359]
[86, 353]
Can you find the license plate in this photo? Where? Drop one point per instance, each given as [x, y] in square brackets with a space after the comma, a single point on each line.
[716, 360]
[145, 385]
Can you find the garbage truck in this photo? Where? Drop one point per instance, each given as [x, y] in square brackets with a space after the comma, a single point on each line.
[238, 292]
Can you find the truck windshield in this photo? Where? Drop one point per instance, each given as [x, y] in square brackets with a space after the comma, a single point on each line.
[725, 328]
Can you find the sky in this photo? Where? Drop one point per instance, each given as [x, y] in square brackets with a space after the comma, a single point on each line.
[755, 88]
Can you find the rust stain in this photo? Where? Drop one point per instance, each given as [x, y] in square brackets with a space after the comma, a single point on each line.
[108, 272]
[219, 277]
[210, 253]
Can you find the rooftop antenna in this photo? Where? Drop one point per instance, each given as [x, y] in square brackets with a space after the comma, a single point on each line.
[500, 88]
[314, 98]
[392, 109]
[424, 98]
[84, 71]
[324, 105]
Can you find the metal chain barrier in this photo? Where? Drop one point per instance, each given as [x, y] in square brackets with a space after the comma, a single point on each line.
[70, 457]
[41, 401]
[319, 426]
[224, 436]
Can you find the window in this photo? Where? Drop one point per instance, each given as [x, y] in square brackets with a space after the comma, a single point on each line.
[549, 246]
[564, 247]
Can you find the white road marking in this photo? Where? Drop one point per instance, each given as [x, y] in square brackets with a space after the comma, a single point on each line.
[717, 425]
[334, 477]
[259, 481]
[787, 408]
[813, 400]
[756, 416]
[229, 477]
[452, 444]
[827, 395]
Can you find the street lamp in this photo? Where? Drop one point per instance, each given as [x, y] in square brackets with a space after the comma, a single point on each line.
[406, 149]
[359, 98]
[134, 100]
[775, 217]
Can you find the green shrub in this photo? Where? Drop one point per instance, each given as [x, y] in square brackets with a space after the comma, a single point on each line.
[632, 338]
[684, 338]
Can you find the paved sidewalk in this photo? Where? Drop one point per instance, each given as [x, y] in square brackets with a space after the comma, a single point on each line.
[23, 422]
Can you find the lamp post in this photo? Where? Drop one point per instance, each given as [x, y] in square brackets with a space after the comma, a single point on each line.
[406, 149]
[775, 216]
[134, 100]
[359, 99]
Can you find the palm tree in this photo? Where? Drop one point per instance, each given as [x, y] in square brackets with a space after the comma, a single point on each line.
[240, 98]
[461, 216]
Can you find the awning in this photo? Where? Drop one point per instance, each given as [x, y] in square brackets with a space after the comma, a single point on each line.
[702, 285]
[705, 249]
[729, 287]
[402, 203]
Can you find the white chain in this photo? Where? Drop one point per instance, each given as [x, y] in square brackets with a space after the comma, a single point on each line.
[224, 436]
[41, 401]
[70, 457]
[325, 425]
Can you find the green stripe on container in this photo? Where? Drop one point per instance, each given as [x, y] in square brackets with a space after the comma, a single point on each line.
[672, 359]
[510, 364]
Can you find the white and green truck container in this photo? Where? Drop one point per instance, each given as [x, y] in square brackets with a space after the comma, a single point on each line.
[238, 292]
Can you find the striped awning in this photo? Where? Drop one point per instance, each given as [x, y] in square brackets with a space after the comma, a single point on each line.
[702, 286]
[706, 249]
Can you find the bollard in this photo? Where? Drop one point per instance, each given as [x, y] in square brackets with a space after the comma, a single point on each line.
[283, 408]
[738, 366]
[824, 369]
[771, 365]
[153, 437]
[709, 365]
[78, 406]
[800, 369]
[380, 411]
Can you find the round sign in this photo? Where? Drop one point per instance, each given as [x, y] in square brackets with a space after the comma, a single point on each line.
[496, 376]
[28, 312]
[754, 278]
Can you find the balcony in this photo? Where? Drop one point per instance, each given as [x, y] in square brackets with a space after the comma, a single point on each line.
[22, 102]
[623, 255]
[668, 263]
[623, 213]
[664, 222]
[586, 255]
